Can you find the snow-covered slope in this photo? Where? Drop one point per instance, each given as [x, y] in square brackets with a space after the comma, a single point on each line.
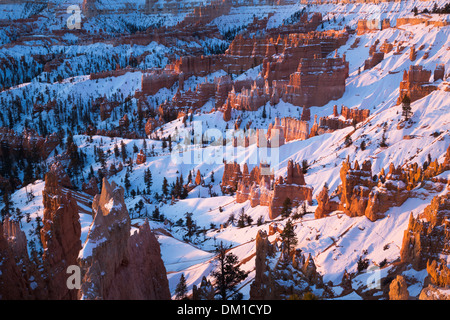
[336, 242]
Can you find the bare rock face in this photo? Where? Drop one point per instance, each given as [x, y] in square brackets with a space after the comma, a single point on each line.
[316, 82]
[325, 205]
[14, 284]
[105, 249]
[365, 26]
[151, 125]
[157, 79]
[58, 171]
[231, 176]
[145, 275]
[334, 122]
[32, 144]
[356, 185]
[415, 84]
[60, 235]
[392, 192]
[424, 240]
[362, 195]
[373, 60]
[398, 289]
[263, 189]
[439, 72]
[141, 158]
[433, 293]
[115, 265]
[263, 286]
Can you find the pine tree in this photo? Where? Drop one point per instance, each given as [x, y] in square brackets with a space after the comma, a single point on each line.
[165, 187]
[116, 151]
[231, 219]
[228, 274]
[7, 208]
[123, 150]
[28, 175]
[156, 214]
[406, 107]
[181, 289]
[241, 219]
[101, 158]
[191, 226]
[148, 179]
[287, 208]
[127, 181]
[288, 237]
[260, 221]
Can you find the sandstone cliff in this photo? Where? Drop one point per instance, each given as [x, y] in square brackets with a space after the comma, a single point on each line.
[115, 265]
[60, 235]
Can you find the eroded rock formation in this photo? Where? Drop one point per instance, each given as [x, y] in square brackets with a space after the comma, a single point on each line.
[398, 289]
[272, 282]
[415, 84]
[60, 235]
[325, 205]
[427, 236]
[111, 260]
[260, 187]
[14, 261]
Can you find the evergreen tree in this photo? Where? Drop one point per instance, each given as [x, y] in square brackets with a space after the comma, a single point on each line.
[75, 162]
[148, 179]
[116, 151]
[8, 206]
[181, 289]
[287, 208]
[241, 219]
[228, 274]
[101, 158]
[231, 219]
[127, 181]
[191, 226]
[156, 214]
[165, 187]
[28, 175]
[406, 107]
[288, 237]
[260, 221]
[123, 150]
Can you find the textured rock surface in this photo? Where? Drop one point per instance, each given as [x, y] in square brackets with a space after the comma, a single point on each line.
[115, 265]
[398, 289]
[316, 82]
[415, 84]
[433, 293]
[425, 240]
[60, 235]
[262, 189]
[355, 188]
[272, 282]
[28, 142]
[14, 283]
[324, 205]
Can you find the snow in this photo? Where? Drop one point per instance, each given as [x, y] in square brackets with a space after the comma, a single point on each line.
[335, 242]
